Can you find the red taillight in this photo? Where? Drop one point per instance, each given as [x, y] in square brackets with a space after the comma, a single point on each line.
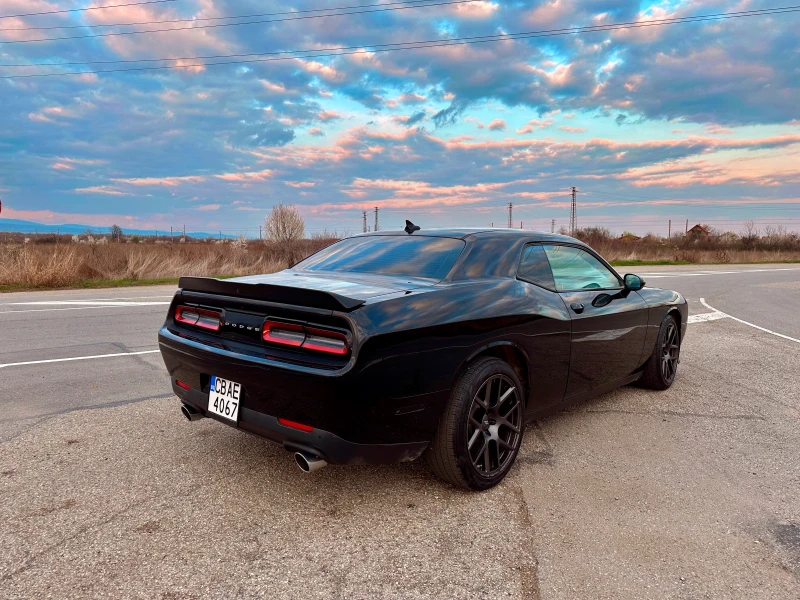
[331, 342]
[199, 317]
[180, 384]
[293, 425]
[287, 334]
[308, 338]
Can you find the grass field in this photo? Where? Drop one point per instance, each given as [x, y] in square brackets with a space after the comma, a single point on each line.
[62, 263]
[50, 265]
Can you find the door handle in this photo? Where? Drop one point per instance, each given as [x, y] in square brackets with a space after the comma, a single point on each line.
[577, 307]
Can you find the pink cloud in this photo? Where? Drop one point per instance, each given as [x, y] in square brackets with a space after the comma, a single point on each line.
[328, 115]
[94, 220]
[572, 129]
[716, 129]
[173, 44]
[497, 125]
[535, 124]
[247, 175]
[162, 181]
[480, 9]
[209, 207]
[68, 164]
[101, 189]
[300, 184]
[412, 98]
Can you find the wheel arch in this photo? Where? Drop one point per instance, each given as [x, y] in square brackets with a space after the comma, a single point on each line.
[675, 312]
[510, 353]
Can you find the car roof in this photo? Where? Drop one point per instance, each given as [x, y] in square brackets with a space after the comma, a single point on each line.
[480, 232]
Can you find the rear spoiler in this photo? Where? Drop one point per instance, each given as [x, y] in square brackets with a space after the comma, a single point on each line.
[271, 293]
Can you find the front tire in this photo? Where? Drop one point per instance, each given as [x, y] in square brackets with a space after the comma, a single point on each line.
[480, 432]
[662, 366]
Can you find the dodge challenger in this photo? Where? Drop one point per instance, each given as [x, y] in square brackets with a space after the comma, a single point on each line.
[436, 344]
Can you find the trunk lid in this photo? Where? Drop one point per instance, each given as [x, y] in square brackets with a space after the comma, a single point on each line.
[330, 291]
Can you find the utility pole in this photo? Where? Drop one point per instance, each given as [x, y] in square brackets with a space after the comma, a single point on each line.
[184, 233]
[520, 224]
[510, 210]
[573, 218]
[552, 225]
[376, 219]
[171, 241]
[687, 227]
[259, 232]
[669, 230]
[364, 221]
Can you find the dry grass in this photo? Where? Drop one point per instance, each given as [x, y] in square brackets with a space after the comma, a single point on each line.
[630, 253]
[59, 263]
[775, 245]
[30, 266]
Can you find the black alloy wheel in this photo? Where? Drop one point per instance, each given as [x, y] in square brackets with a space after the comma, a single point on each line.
[662, 366]
[494, 425]
[670, 348]
[480, 431]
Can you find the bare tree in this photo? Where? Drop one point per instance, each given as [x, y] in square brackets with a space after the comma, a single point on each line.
[284, 223]
[116, 232]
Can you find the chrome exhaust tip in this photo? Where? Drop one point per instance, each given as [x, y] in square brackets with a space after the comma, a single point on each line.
[308, 462]
[190, 413]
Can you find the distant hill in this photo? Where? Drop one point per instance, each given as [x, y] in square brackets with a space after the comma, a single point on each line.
[18, 226]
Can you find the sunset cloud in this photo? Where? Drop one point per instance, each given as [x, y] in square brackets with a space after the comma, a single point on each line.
[676, 113]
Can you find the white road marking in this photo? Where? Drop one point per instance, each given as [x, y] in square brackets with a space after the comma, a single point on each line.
[780, 335]
[74, 305]
[705, 317]
[56, 360]
[84, 303]
[663, 274]
[96, 300]
[14, 312]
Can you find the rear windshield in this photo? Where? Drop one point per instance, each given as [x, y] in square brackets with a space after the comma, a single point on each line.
[417, 256]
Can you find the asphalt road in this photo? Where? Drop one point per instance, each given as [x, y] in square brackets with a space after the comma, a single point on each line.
[107, 491]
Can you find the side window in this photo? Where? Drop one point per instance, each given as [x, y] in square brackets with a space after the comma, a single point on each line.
[534, 267]
[576, 269]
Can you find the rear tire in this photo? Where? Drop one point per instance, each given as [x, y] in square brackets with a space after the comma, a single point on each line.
[480, 431]
[662, 366]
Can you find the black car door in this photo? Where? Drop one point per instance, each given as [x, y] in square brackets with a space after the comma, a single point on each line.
[609, 323]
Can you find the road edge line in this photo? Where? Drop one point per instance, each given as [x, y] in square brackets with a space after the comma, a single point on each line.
[764, 329]
[56, 360]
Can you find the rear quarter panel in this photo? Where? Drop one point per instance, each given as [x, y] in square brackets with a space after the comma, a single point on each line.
[419, 343]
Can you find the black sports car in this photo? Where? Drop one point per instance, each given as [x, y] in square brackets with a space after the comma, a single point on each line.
[390, 346]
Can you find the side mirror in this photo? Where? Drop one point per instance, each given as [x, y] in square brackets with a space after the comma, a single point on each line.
[633, 282]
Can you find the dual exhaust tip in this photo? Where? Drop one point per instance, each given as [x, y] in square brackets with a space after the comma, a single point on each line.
[307, 462]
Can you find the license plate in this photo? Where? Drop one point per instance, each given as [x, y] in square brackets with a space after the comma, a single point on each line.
[224, 397]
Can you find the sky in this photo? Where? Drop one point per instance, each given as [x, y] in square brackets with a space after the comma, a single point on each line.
[691, 121]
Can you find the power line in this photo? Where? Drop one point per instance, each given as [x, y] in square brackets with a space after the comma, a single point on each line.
[398, 46]
[195, 20]
[66, 10]
[216, 25]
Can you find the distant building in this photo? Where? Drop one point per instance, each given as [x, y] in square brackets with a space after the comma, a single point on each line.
[698, 232]
[629, 237]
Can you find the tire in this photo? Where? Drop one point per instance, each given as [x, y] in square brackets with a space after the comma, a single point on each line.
[662, 366]
[456, 454]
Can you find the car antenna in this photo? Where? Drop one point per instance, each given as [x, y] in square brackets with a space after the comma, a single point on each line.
[411, 228]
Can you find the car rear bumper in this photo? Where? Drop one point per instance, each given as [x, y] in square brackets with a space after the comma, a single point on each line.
[349, 427]
[324, 444]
